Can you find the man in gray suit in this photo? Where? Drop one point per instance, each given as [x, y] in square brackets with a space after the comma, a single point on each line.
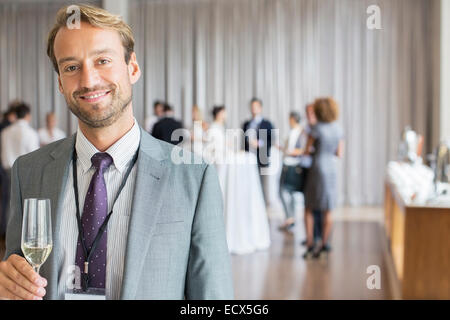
[165, 238]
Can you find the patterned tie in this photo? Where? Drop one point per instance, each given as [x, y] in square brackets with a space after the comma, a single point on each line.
[94, 213]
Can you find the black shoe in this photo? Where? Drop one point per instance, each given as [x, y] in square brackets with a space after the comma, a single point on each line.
[309, 253]
[286, 227]
[322, 252]
[304, 242]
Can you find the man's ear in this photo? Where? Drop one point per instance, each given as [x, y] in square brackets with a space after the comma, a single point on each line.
[60, 85]
[134, 71]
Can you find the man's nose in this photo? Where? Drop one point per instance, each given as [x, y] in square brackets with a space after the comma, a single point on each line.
[89, 76]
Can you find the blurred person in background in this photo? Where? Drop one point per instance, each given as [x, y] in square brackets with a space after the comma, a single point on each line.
[258, 138]
[17, 139]
[215, 147]
[9, 117]
[291, 175]
[321, 186]
[307, 161]
[197, 116]
[310, 115]
[50, 133]
[158, 114]
[166, 126]
[198, 131]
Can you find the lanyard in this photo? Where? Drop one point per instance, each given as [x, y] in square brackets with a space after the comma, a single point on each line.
[88, 253]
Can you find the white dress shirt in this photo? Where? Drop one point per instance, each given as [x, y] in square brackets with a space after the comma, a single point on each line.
[45, 137]
[18, 139]
[254, 123]
[253, 126]
[122, 153]
[293, 142]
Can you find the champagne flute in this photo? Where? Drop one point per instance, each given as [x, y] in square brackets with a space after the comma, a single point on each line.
[37, 240]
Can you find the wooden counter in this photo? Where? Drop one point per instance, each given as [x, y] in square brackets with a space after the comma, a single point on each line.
[419, 241]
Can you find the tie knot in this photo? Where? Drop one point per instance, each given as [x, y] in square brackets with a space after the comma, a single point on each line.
[101, 160]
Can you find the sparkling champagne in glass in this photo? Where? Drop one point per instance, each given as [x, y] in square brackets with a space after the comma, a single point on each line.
[37, 240]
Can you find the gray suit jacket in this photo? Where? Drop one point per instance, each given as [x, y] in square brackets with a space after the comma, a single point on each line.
[176, 245]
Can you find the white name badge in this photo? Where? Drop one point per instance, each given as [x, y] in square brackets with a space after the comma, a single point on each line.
[90, 294]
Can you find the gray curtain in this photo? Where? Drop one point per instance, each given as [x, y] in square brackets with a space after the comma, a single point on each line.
[26, 72]
[288, 52]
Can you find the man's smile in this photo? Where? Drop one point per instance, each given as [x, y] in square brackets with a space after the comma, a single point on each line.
[95, 96]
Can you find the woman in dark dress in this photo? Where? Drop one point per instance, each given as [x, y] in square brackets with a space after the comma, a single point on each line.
[321, 186]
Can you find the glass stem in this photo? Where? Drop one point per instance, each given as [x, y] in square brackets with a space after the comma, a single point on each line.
[36, 269]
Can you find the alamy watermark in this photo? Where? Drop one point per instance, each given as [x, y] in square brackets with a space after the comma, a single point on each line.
[74, 18]
[73, 280]
[374, 280]
[374, 18]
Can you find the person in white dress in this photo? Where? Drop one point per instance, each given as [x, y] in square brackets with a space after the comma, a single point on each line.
[50, 133]
[246, 221]
[215, 146]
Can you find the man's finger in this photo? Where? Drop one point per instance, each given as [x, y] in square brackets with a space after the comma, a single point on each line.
[16, 290]
[26, 270]
[18, 278]
[6, 295]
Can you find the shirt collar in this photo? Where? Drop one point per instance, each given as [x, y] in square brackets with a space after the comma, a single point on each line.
[22, 122]
[122, 151]
[257, 119]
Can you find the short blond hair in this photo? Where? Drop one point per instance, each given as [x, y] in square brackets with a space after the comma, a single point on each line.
[326, 109]
[96, 17]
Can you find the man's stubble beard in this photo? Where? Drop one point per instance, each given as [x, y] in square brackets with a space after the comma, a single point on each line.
[114, 112]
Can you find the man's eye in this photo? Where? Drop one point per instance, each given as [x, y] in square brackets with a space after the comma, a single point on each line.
[103, 61]
[71, 68]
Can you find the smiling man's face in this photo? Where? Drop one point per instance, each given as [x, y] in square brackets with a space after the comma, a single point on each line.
[93, 76]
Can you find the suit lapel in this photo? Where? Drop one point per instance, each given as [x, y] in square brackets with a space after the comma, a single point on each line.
[150, 186]
[54, 178]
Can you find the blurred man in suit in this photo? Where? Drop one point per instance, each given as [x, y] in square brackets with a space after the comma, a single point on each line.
[258, 134]
[158, 114]
[258, 138]
[166, 236]
[164, 128]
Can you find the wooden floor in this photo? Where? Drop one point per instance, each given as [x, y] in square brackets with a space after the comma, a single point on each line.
[281, 273]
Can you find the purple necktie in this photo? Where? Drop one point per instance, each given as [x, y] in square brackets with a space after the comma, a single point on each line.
[94, 213]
